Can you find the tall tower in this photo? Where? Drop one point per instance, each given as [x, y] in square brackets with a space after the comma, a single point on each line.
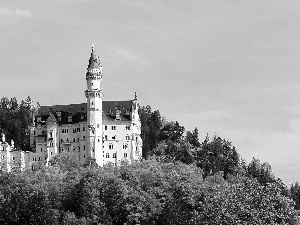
[94, 97]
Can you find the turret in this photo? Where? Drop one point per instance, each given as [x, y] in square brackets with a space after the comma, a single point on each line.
[94, 97]
[3, 138]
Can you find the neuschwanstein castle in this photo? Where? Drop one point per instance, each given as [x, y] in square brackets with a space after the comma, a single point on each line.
[108, 131]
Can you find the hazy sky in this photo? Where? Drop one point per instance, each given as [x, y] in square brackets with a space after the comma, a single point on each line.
[228, 67]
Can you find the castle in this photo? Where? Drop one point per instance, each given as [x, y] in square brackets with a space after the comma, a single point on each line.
[107, 131]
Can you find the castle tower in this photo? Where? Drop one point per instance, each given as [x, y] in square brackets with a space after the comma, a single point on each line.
[94, 97]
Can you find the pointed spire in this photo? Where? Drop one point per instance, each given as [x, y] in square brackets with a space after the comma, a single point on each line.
[94, 61]
[135, 96]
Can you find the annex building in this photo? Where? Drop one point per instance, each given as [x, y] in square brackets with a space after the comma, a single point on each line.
[108, 131]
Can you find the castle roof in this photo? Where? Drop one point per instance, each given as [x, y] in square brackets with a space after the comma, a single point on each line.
[111, 109]
[94, 61]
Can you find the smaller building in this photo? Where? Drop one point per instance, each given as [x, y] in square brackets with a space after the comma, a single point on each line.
[11, 159]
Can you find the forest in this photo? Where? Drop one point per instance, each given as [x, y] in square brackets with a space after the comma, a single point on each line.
[180, 180]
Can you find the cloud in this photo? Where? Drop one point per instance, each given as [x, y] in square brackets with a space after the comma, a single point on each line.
[16, 12]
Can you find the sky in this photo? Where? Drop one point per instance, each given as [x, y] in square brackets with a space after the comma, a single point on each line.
[228, 67]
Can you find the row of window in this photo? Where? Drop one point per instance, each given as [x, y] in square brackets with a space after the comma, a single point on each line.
[40, 158]
[75, 130]
[114, 155]
[114, 127]
[114, 137]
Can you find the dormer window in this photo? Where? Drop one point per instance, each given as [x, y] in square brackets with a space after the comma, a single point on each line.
[69, 119]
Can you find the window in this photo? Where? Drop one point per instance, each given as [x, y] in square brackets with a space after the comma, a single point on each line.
[98, 140]
[39, 158]
[41, 150]
[45, 157]
[77, 139]
[92, 103]
[51, 134]
[114, 137]
[61, 140]
[83, 128]
[84, 147]
[125, 146]
[114, 155]
[105, 127]
[127, 127]
[83, 137]
[105, 137]
[113, 127]
[33, 132]
[125, 155]
[127, 137]
[51, 153]
[13, 158]
[107, 155]
[78, 148]
[110, 146]
[83, 156]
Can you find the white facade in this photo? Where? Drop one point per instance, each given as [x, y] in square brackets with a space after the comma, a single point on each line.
[108, 131]
[10, 158]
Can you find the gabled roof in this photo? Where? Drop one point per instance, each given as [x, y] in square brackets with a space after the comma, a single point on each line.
[78, 112]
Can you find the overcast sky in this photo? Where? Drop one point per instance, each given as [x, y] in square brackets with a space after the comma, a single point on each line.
[228, 67]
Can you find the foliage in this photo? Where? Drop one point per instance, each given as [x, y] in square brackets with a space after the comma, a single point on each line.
[218, 155]
[14, 121]
[147, 192]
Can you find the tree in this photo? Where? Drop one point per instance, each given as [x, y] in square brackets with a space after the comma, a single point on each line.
[217, 155]
[260, 171]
